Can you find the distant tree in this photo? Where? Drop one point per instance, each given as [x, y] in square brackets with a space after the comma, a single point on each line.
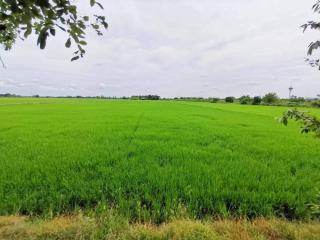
[256, 100]
[245, 99]
[214, 100]
[145, 97]
[21, 18]
[270, 98]
[297, 99]
[229, 99]
[9, 95]
[152, 97]
[315, 25]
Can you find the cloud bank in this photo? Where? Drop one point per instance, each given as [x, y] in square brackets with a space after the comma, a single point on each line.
[209, 48]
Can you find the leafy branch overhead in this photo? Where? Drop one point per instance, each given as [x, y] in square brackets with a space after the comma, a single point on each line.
[21, 18]
[313, 45]
[308, 123]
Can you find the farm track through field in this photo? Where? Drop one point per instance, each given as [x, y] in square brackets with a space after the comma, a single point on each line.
[136, 127]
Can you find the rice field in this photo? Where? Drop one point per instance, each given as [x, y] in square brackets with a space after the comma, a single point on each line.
[154, 160]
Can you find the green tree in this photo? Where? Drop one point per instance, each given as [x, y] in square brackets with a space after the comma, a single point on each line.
[245, 99]
[21, 18]
[270, 98]
[315, 25]
[256, 100]
[214, 100]
[229, 99]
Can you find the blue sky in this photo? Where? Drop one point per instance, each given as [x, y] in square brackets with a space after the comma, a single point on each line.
[209, 48]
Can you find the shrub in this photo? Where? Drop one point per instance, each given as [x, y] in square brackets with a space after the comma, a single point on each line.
[315, 104]
[229, 99]
[270, 98]
[297, 100]
[245, 99]
[214, 100]
[145, 97]
[256, 100]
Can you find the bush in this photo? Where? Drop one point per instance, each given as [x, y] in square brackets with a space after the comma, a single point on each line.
[256, 100]
[297, 100]
[245, 99]
[214, 100]
[229, 99]
[315, 104]
[145, 97]
[270, 98]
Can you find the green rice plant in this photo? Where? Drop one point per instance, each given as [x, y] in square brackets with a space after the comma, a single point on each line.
[152, 161]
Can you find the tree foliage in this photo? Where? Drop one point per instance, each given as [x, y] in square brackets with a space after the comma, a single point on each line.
[245, 99]
[145, 97]
[315, 25]
[229, 99]
[21, 18]
[256, 100]
[270, 98]
[308, 123]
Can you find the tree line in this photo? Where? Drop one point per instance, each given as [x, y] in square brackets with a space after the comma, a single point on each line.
[267, 99]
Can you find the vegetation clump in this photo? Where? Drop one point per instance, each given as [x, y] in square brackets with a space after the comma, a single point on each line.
[256, 100]
[245, 99]
[145, 97]
[229, 99]
[270, 98]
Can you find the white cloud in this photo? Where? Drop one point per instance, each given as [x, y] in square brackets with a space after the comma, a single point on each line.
[177, 48]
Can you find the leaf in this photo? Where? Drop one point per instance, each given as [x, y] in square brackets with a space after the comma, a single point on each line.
[100, 5]
[304, 26]
[83, 42]
[92, 3]
[68, 43]
[42, 39]
[27, 32]
[62, 28]
[105, 25]
[95, 26]
[75, 58]
[52, 31]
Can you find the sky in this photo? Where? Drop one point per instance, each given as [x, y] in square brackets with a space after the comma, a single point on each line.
[202, 48]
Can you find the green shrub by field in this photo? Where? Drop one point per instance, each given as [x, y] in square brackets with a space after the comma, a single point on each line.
[153, 160]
